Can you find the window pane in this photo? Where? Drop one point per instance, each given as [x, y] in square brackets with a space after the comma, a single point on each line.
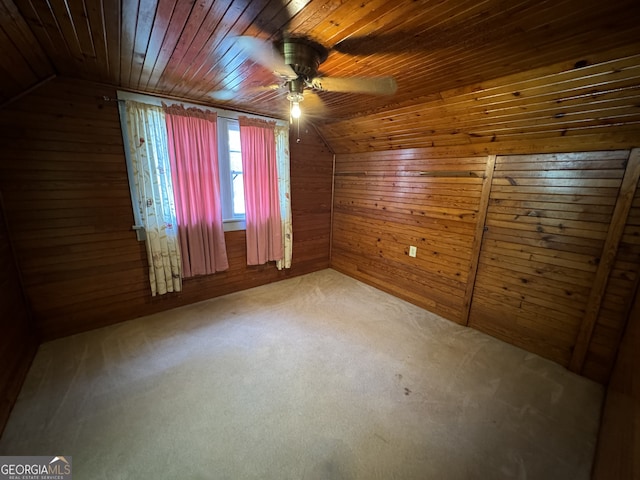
[234, 138]
[238, 194]
[235, 162]
[235, 169]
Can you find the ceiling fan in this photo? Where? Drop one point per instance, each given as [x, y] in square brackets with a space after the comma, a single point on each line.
[295, 60]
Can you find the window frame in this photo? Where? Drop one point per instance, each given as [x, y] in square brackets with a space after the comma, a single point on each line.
[226, 181]
[230, 224]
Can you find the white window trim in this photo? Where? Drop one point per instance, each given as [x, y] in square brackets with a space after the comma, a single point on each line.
[225, 171]
[229, 225]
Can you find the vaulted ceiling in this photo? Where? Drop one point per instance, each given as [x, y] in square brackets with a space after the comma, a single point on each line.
[185, 48]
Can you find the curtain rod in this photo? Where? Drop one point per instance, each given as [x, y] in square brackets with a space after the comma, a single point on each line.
[220, 111]
[109, 99]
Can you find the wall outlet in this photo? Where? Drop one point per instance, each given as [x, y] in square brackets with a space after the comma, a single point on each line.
[413, 250]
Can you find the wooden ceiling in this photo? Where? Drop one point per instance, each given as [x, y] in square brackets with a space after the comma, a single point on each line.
[184, 49]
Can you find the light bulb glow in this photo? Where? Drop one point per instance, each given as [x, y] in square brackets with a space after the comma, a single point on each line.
[295, 110]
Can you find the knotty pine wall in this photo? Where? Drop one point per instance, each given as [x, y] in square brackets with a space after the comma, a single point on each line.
[387, 201]
[547, 252]
[618, 441]
[64, 182]
[518, 233]
[18, 340]
[542, 251]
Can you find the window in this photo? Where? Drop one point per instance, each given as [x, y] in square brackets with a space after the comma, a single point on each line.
[229, 165]
[230, 160]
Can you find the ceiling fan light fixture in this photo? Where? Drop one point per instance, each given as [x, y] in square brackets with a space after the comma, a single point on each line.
[296, 61]
[295, 97]
[295, 109]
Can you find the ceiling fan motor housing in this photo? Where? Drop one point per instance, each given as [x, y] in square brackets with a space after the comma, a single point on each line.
[303, 55]
[296, 87]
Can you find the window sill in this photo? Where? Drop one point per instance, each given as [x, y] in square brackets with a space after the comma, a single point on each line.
[234, 225]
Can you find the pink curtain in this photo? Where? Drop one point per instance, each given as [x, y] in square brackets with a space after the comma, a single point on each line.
[193, 153]
[261, 197]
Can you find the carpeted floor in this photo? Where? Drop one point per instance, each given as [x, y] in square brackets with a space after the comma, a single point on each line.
[316, 377]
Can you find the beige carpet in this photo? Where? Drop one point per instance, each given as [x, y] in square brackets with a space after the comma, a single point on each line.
[316, 377]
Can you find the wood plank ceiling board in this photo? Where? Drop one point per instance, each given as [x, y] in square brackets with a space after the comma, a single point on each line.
[185, 49]
[560, 100]
[23, 61]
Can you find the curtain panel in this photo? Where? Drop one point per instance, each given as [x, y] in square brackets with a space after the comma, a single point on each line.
[147, 150]
[284, 189]
[261, 192]
[193, 154]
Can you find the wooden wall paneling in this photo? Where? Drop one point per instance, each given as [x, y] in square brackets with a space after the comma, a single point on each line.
[19, 70]
[540, 254]
[67, 200]
[607, 258]
[570, 102]
[311, 197]
[18, 342]
[617, 298]
[387, 201]
[619, 437]
[548, 219]
[487, 181]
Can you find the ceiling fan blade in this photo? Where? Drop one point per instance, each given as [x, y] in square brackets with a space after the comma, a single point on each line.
[370, 85]
[313, 105]
[265, 53]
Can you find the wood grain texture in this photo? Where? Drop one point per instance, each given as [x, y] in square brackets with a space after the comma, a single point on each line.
[538, 265]
[617, 299]
[483, 205]
[23, 62]
[67, 200]
[544, 228]
[18, 341]
[186, 49]
[619, 438]
[385, 202]
[626, 194]
[564, 107]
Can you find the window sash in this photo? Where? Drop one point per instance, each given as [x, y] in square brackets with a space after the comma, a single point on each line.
[230, 223]
[229, 212]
